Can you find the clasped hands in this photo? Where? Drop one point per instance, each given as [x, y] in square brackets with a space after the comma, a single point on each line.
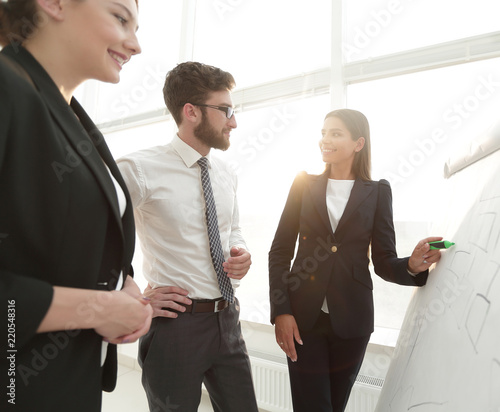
[124, 319]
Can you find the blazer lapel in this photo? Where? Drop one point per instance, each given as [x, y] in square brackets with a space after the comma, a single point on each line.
[359, 193]
[98, 158]
[80, 148]
[318, 196]
[128, 228]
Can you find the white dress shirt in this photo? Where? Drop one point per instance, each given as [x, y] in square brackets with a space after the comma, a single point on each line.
[337, 195]
[169, 207]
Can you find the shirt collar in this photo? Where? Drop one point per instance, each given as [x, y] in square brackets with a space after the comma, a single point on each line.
[188, 155]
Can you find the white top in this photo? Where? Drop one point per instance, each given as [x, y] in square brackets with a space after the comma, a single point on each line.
[165, 187]
[122, 201]
[337, 195]
[122, 204]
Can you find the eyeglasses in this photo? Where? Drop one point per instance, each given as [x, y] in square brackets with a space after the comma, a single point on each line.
[226, 109]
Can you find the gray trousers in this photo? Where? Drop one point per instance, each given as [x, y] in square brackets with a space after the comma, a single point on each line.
[178, 355]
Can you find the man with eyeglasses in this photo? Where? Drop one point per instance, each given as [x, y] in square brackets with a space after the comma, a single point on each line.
[194, 253]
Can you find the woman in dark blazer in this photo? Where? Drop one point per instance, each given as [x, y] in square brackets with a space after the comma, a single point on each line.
[66, 221]
[322, 305]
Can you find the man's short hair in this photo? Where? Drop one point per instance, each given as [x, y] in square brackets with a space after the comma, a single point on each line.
[192, 82]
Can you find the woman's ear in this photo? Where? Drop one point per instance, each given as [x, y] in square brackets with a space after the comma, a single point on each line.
[53, 8]
[360, 143]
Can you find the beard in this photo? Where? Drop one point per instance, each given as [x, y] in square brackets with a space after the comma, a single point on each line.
[211, 137]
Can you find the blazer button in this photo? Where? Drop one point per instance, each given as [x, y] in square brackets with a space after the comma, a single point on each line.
[334, 249]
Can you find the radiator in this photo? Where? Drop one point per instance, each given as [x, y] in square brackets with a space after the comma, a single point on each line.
[272, 388]
[364, 394]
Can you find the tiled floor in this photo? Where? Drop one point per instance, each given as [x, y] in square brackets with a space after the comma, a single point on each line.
[129, 395]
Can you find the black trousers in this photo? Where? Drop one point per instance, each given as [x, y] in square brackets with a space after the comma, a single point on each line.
[326, 368]
[178, 355]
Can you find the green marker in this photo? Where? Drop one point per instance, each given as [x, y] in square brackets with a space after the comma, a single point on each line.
[441, 244]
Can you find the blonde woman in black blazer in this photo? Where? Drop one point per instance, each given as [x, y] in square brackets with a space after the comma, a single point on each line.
[322, 304]
[66, 221]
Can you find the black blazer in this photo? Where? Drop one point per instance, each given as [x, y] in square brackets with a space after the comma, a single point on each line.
[331, 264]
[59, 225]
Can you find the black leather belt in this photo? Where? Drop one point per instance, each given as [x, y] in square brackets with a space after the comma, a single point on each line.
[204, 306]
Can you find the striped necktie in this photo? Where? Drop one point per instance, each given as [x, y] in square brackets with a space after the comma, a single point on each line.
[213, 233]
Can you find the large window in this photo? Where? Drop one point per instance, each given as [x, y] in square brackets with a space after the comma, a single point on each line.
[140, 87]
[424, 72]
[418, 120]
[383, 27]
[260, 41]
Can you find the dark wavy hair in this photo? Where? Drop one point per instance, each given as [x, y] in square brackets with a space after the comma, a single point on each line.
[357, 124]
[192, 82]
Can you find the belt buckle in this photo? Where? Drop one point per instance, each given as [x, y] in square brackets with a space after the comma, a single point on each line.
[216, 305]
